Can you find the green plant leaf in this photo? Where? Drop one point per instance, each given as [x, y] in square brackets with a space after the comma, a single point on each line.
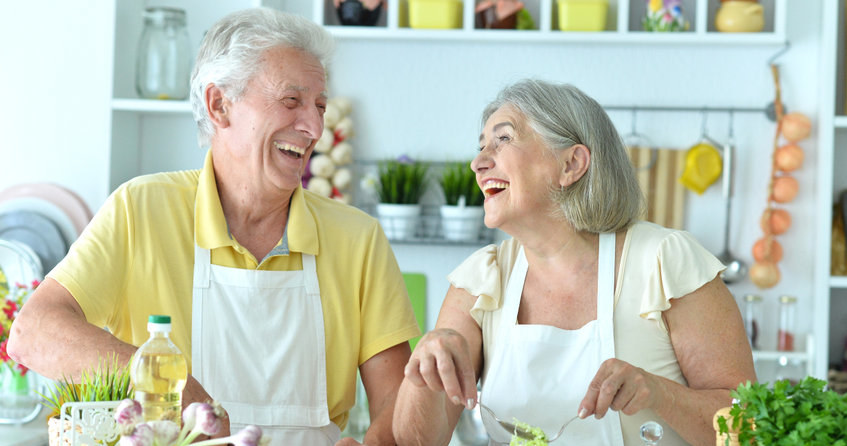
[457, 179]
[401, 182]
[107, 381]
[786, 414]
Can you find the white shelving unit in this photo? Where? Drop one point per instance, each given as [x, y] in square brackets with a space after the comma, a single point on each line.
[150, 135]
[806, 357]
[623, 25]
[830, 312]
[144, 118]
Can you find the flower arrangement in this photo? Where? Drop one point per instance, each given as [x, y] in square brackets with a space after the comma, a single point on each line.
[197, 419]
[11, 301]
[664, 15]
[458, 180]
[401, 181]
[108, 381]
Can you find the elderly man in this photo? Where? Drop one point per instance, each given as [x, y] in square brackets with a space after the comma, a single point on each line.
[277, 295]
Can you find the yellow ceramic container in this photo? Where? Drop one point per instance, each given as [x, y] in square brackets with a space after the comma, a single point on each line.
[435, 14]
[737, 16]
[583, 15]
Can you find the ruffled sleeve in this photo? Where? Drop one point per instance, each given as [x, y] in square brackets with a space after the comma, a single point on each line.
[482, 274]
[681, 266]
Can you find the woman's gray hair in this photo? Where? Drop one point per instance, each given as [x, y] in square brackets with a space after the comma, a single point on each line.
[231, 54]
[607, 198]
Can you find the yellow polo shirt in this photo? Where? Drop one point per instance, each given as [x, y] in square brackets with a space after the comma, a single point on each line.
[136, 258]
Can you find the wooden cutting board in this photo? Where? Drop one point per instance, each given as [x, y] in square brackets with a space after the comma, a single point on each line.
[658, 172]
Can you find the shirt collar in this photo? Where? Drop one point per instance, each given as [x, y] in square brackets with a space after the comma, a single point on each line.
[211, 230]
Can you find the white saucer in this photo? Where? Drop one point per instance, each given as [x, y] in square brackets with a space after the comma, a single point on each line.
[36, 231]
[47, 209]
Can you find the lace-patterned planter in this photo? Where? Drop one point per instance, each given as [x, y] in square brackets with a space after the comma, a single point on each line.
[85, 424]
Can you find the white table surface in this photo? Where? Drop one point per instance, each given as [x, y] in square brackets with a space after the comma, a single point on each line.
[33, 433]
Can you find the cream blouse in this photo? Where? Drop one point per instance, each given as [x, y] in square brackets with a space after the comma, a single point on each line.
[657, 264]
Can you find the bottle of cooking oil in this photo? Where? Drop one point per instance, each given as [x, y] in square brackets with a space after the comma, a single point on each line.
[158, 373]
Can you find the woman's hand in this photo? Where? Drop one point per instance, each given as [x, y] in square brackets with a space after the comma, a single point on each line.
[442, 362]
[620, 386]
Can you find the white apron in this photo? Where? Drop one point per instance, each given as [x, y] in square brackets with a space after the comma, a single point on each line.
[540, 373]
[258, 348]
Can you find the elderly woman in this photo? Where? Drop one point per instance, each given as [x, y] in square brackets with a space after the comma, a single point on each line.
[278, 296]
[586, 311]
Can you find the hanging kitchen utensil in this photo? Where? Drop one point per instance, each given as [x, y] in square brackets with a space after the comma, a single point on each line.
[702, 163]
[639, 141]
[736, 270]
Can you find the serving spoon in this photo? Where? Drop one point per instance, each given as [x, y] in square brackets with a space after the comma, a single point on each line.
[520, 432]
[735, 270]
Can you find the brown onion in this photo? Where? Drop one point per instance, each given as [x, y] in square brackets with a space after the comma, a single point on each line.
[784, 189]
[760, 249]
[764, 274]
[796, 126]
[789, 157]
[779, 222]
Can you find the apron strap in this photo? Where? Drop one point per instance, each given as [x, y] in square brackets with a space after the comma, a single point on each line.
[202, 260]
[606, 288]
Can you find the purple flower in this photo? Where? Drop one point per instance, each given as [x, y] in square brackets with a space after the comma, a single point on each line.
[404, 159]
[128, 414]
[141, 436]
[165, 432]
[249, 436]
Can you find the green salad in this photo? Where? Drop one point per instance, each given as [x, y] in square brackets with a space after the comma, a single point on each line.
[539, 438]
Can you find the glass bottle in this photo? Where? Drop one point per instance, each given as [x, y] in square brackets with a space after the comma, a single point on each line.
[158, 373]
[752, 318]
[785, 333]
[163, 64]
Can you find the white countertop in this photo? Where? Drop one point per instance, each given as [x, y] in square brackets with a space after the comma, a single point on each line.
[33, 433]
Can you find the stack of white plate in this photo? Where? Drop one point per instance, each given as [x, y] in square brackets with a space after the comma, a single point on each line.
[38, 223]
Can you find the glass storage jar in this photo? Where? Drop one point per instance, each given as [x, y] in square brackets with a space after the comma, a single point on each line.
[785, 333]
[752, 318]
[163, 63]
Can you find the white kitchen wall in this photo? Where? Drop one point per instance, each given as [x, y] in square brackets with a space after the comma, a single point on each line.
[423, 98]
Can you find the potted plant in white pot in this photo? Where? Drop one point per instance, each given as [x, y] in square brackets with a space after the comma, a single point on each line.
[461, 216]
[100, 390]
[401, 183]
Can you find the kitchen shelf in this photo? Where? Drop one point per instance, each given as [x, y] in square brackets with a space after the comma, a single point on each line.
[838, 282]
[428, 229]
[537, 36]
[150, 105]
[778, 356]
[623, 25]
[840, 122]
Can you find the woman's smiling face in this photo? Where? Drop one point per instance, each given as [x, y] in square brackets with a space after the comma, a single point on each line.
[515, 169]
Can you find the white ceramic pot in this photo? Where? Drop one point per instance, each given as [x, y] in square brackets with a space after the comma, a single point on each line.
[461, 223]
[399, 221]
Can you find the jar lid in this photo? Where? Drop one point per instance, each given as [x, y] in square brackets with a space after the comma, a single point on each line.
[159, 14]
[787, 299]
[158, 323]
[752, 298]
